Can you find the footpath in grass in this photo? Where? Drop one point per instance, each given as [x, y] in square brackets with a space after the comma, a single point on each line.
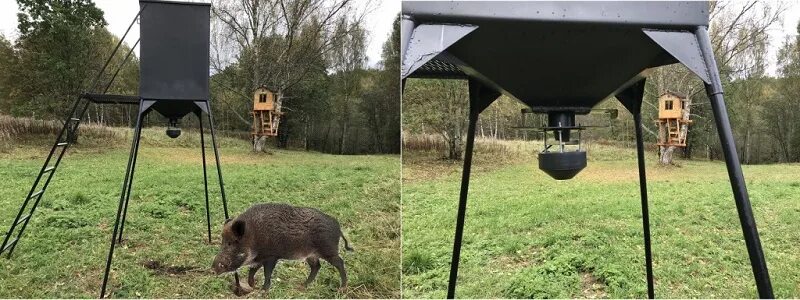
[165, 253]
[528, 236]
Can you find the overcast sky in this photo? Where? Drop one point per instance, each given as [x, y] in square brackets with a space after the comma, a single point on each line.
[119, 13]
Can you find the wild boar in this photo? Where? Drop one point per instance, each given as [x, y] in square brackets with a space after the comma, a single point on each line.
[266, 233]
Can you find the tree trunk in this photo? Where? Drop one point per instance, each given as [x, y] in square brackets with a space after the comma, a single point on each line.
[666, 155]
[327, 138]
[306, 133]
[342, 137]
[455, 149]
[259, 143]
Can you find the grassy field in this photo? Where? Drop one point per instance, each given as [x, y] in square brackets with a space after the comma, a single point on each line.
[529, 236]
[166, 255]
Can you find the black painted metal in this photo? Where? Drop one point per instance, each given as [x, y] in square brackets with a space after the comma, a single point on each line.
[462, 199]
[174, 55]
[144, 108]
[480, 97]
[219, 172]
[562, 165]
[125, 184]
[111, 99]
[61, 144]
[205, 173]
[648, 256]
[71, 123]
[537, 44]
[127, 191]
[219, 168]
[631, 98]
[168, 106]
[743, 206]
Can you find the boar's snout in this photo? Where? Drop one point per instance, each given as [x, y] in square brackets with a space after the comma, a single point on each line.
[232, 254]
[227, 261]
[218, 266]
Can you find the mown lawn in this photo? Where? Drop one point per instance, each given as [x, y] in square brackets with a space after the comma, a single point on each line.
[166, 255]
[528, 236]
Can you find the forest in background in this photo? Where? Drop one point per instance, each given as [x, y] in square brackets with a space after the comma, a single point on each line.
[764, 109]
[312, 52]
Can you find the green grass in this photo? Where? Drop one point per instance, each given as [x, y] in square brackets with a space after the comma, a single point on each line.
[63, 251]
[528, 236]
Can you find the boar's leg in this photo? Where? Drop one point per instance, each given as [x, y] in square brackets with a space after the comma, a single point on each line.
[338, 262]
[269, 266]
[313, 262]
[251, 275]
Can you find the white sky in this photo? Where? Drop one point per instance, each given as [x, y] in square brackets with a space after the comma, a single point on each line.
[779, 33]
[119, 13]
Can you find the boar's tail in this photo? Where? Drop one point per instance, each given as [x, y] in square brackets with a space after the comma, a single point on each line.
[346, 244]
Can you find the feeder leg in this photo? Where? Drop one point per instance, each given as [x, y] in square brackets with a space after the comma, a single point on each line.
[216, 157]
[125, 185]
[743, 207]
[219, 173]
[128, 192]
[648, 256]
[205, 175]
[462, 203]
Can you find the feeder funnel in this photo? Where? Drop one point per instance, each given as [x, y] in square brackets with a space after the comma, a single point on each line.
[562, 165]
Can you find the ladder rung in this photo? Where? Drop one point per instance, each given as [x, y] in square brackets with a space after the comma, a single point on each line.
[36, 194]
[62, 144]
[23, 219]
[74, 119]
[50, 169]
[9, 245]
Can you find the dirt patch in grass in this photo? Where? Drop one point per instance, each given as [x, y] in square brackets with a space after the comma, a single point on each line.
[592, 287]
[520, 259]
[159, 268]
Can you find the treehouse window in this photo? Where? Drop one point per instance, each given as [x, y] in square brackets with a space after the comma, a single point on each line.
[262, 98]
[683, 104]
[668, 105]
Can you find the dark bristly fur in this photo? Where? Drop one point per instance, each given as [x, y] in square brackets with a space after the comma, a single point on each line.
[266, 233]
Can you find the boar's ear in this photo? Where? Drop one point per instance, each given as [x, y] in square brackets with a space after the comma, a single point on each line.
[227, 220]
[238, 228]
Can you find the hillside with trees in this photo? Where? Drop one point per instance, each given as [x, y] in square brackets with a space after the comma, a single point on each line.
[312, 52]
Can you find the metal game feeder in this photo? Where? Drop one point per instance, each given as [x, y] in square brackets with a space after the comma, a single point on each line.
[562, 59]
[174, 75]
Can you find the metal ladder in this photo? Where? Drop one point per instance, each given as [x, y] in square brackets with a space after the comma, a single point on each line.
[69, 129]
[46, 172]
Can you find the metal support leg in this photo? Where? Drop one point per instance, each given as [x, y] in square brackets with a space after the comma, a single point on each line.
[205, 174]
[648, 257]
[743, 207]
[219, 169]
[462, 203]
[125, 184]
[127, 191]
[219, 173]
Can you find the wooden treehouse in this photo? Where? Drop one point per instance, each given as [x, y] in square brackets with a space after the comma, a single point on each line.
[266, 113]
[673, 119]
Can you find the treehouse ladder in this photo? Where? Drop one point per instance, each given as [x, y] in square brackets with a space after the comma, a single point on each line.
[47, 172]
